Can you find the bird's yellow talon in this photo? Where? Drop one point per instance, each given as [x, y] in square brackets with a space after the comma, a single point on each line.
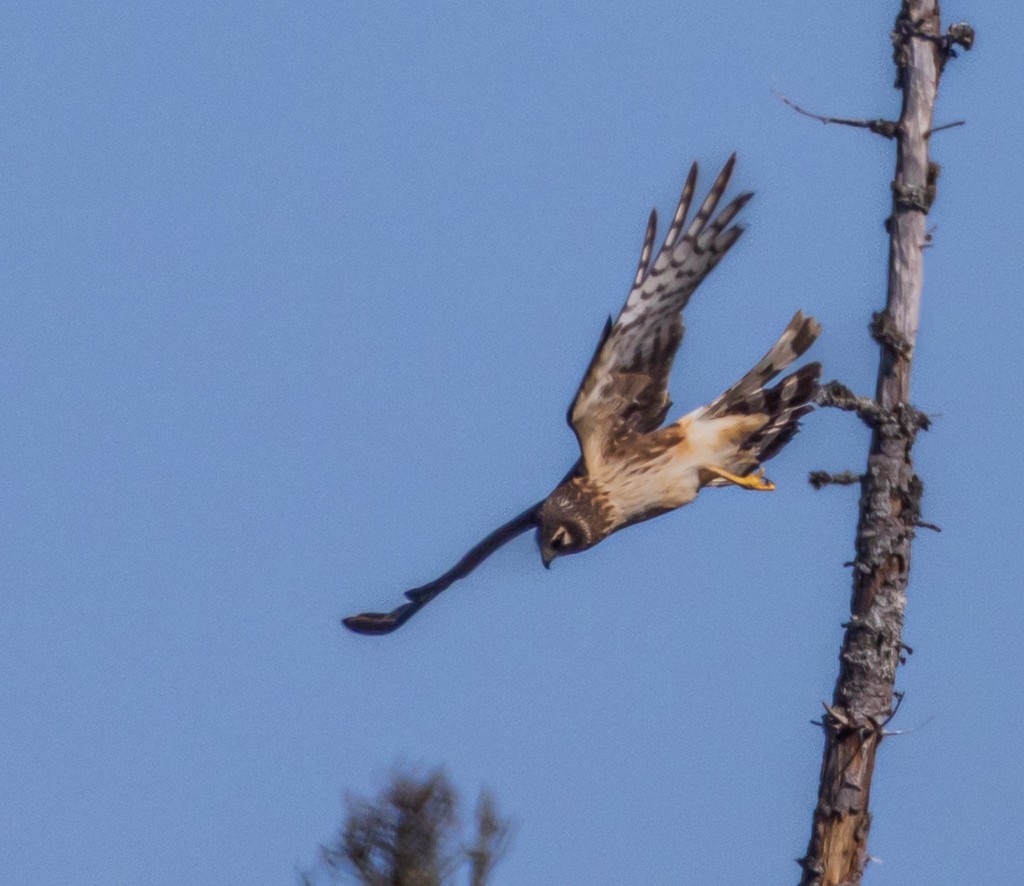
[755, 481]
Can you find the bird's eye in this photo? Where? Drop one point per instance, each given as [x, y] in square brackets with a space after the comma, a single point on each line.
[560, 539]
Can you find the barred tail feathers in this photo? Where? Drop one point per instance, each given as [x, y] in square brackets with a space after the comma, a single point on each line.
[784, 403]
[744, 396]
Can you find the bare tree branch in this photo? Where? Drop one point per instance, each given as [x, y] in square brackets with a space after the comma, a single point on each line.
[952, 125]
[836, 395]
[886, 128]
[863, 701]
[820, 479]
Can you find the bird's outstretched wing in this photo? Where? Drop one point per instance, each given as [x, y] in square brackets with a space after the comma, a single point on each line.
[625, 388]
[386, 622]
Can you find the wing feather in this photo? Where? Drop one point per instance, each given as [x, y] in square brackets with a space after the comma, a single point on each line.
[645, 251]
[625, 388]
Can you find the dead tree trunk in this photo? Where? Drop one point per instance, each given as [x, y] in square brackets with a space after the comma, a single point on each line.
[864, 697]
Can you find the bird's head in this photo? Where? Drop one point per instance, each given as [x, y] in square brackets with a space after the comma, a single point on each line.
[565, 525]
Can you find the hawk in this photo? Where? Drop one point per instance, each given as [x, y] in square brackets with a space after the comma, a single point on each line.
[631, 468]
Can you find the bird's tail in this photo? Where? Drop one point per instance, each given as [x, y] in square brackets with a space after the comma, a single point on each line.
[784, 403]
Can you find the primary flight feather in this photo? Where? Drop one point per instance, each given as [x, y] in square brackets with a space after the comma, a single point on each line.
[631, 468]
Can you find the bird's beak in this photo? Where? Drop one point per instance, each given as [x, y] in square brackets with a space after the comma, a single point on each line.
[546, 558]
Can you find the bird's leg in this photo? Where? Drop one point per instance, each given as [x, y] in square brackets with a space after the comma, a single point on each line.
[755, 481]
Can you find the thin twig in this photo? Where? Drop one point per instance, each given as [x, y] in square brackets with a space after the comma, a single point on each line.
[836, 395]
[935, 129]
[820, 479]
[885, 128]
[910, 730]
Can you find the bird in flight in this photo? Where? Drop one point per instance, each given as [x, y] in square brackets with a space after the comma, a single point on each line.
[630, 467]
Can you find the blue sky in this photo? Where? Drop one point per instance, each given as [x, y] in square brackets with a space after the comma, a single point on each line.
[293, 298]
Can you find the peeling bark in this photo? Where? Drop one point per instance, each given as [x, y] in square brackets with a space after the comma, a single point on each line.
[863, 701]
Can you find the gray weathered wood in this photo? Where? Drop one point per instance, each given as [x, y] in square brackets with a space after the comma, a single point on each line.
[863, 700]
